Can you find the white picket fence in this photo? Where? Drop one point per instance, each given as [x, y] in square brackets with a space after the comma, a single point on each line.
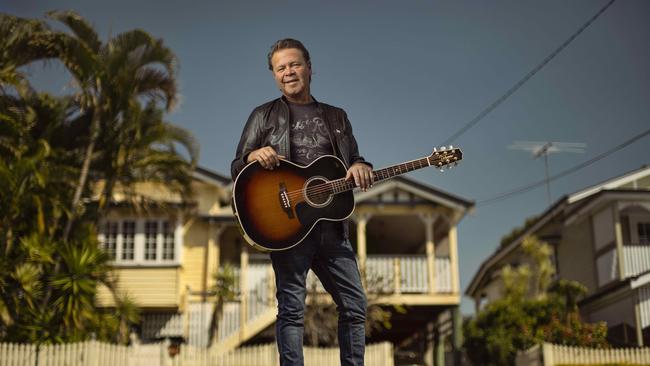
[101, 354]
[551, 355]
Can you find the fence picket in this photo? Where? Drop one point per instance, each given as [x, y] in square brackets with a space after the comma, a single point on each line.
[93, 353]
[566, 355]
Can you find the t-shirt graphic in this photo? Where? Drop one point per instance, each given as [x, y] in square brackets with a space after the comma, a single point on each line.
[309, 135]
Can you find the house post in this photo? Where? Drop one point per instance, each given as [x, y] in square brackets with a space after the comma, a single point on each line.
[430, 344]
[440, 349]
[430, 250]
[637, 317]
[453, 258]
[362, 221]
[457, 340]
[243, 288]
[619, 243]
[212, 254]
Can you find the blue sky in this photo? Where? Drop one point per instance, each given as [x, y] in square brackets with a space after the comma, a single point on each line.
[410, 74]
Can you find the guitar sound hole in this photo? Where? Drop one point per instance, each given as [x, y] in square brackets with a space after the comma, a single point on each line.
[317, 193]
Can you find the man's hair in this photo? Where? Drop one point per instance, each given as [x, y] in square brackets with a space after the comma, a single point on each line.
[288, 43]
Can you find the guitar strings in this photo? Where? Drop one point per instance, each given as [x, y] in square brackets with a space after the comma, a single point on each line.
[320, 188]
[376, 174]
[331, 186]
[325, 187]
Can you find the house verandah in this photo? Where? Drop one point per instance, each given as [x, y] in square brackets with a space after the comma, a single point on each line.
[405, 237]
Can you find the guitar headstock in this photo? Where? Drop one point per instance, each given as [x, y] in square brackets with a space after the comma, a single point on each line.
[445, 156]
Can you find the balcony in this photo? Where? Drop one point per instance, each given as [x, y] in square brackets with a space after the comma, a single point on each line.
[406, 274]
[636, 260]
[401, 274]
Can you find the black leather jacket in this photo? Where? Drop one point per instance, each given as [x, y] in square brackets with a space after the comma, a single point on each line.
[268, 125]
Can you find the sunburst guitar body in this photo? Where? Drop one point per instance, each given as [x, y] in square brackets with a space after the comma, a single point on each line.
[276, 209]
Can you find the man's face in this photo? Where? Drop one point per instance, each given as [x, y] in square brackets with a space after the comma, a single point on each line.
[292, 74]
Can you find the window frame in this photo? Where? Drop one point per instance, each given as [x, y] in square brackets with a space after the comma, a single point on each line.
[140, 241]
[635, 220]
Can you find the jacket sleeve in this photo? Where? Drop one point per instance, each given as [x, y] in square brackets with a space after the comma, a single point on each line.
[249, 141]
[354, 156]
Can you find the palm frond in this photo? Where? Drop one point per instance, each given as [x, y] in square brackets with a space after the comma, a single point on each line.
[79, 27]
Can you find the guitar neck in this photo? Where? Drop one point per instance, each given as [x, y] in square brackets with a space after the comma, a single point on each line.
[342, 185]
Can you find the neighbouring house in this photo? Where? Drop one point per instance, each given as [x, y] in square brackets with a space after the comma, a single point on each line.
[404, 233]
[601, 238]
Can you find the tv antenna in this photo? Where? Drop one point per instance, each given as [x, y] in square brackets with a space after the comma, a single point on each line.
[544, 148]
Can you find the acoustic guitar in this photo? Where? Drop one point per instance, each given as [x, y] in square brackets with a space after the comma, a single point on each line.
[276, 209]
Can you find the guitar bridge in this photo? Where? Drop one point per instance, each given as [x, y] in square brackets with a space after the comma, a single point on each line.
[285, 202]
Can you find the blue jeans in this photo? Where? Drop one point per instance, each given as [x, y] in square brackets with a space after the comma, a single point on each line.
[332, 259]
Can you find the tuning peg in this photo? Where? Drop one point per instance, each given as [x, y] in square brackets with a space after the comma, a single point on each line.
[442, 148]
[442, 170]
[435, 150]
[451, 147]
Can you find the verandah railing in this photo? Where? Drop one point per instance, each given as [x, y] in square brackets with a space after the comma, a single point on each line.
[406, 274]
[636, 259]
[385, 274]
[400, 274]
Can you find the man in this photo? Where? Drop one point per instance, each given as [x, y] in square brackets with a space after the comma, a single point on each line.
[298, 128]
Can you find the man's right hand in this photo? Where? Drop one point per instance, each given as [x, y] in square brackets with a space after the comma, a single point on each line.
[266, 156]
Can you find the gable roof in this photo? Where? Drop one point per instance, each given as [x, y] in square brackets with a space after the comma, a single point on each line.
[419, 189]
[611, 183]
[565, 202]
[210, 176]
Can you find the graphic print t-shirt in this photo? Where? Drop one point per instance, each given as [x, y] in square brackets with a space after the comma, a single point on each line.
[309, 135]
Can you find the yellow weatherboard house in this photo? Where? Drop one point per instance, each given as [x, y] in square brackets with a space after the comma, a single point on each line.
[165, 258]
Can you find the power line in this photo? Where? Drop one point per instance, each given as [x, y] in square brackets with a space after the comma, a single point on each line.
[574, 169]
[532, 73]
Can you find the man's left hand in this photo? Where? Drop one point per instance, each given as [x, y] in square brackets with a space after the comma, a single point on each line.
[362, 175]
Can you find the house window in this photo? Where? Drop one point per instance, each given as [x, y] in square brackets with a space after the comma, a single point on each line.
[168, 241]
[128, 240]
[140, 241]
[643, 230]
[150, 240]
[109, 242]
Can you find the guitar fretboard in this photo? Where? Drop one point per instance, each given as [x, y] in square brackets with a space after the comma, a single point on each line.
[343, 185]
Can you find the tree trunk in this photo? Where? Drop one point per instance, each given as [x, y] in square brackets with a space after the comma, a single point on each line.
[85, 168]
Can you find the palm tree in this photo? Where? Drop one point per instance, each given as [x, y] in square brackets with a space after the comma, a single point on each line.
[49, 260]
[111, 77]
[147, 153]
[22, 41]
[34, 186]
[224, 291]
